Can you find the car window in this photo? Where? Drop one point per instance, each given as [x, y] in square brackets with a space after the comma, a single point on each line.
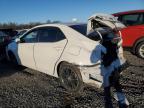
[80, 28]
[132, 19]
[50, 34]
[142, 19]
[30, 37]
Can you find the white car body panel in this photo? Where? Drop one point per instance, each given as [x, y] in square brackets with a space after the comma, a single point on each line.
[26, 54]
[47, 54]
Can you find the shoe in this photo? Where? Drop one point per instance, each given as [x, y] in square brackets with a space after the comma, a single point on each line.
[121, 98]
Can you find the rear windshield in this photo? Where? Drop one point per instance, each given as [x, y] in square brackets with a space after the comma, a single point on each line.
[82, 28]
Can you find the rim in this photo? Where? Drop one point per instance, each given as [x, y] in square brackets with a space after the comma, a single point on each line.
[141, 51]
[70, 79]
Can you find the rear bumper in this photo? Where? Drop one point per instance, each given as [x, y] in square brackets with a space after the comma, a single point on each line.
[98, 75]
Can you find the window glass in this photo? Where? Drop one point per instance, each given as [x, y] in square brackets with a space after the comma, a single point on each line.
[30, 37]
[132, 19]
[50, 34]
[142, 18]
[80, 28]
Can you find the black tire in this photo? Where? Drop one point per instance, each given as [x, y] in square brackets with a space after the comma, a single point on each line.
[140, 50]
[70, 78]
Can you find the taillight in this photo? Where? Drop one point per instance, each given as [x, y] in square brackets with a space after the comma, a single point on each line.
[117, 37]
[117, 33]
[116, 40]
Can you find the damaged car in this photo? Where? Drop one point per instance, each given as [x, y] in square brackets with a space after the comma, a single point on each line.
[70, 52]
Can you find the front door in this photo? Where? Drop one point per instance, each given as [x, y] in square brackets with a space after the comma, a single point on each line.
[26, 48]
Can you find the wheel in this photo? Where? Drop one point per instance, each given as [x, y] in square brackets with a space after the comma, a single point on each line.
[140, 50]
[70, 78]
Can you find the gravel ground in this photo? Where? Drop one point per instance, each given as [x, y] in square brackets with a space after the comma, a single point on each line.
[26, 88]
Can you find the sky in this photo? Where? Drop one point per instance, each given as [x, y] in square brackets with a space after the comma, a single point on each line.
[25, 11]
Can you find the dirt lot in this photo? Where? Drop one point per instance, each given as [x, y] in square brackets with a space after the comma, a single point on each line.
[29, 88]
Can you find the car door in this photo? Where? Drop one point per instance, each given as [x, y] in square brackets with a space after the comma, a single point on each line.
[26, 48]
[48, 50]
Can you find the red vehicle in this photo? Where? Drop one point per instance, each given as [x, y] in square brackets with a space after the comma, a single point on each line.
[133, 34]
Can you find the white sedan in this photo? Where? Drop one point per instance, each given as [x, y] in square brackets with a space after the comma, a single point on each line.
[63, 51]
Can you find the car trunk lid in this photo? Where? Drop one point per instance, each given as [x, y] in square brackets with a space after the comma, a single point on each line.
[106, 28]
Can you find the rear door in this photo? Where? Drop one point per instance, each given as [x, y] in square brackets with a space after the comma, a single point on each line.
[48, 50]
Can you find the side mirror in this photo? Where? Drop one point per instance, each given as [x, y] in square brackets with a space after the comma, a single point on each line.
[17, 40]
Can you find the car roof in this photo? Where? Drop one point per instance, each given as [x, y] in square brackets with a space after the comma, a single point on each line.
[72, 24]
[47, 25]
[128, 12]
[59, 25]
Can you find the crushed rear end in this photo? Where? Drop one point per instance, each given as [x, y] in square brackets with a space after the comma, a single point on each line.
[105, 28]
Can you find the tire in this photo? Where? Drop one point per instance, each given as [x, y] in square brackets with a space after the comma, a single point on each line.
[140, 50]
[70, 78]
